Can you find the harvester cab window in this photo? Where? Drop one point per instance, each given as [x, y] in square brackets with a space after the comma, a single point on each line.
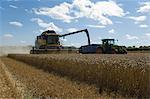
[53, 39]
[43, 37]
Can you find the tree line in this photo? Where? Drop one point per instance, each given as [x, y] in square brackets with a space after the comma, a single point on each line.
[140, 48]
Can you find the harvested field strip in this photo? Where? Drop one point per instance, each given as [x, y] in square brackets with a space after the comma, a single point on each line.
[42, 84]
[6, 88]
[123, 74]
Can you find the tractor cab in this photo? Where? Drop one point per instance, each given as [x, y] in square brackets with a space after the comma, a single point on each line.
[108, 41]
[108, 45]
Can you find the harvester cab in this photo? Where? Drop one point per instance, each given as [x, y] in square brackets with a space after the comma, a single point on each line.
[47, 40]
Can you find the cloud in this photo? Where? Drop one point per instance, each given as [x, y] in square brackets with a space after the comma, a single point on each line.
[147, 34]
[71, 30]
[96, 26]
[118, 22]
[23, 41]
[131, 37]
[110, 37]
[98, 11]
[99, 38]
[12, 6]
[28, 11]
[46, 26]
[52, 26]
[63, 40]
[145, 8]
[40, 22]
[8, 36]
[76, 44]
[138, 19]
[143, 26]
[112, 31]
[56, 12]
[15, 23]
[102, 9]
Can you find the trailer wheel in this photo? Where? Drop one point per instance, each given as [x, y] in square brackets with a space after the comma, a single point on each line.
[98, 50]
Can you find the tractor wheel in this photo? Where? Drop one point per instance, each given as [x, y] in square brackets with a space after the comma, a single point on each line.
[113, 51]
[125, 52]
[99, 50]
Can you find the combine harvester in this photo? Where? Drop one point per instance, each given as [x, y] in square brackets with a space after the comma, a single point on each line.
[49, 42]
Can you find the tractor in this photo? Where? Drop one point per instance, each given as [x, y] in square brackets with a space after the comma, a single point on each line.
[107, 47]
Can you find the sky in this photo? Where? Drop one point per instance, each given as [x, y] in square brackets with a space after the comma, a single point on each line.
[127, 21]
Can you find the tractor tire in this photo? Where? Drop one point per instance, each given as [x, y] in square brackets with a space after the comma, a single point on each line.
[113, 51]
[125, 52]
[99, 50]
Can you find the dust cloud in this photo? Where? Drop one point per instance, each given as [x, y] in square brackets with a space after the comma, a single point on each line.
[5, 50]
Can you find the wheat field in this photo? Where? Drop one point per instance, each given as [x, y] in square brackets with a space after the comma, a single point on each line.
[128, 75]
[38, 84]
[7, 90]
